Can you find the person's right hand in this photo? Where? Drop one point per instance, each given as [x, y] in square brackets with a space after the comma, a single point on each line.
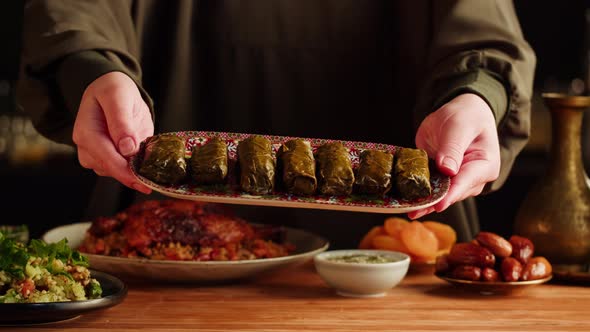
[112, 121]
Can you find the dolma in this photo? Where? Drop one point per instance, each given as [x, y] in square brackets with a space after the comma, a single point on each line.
[209, 162]
[163, 161]
[257, 165]
[298, 167]
[334, 169]
[411, 174]
[373, 175]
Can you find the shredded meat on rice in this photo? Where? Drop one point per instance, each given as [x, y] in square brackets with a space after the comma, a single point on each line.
[182, 230]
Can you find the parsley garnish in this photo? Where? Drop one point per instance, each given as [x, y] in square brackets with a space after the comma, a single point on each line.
[14, 255]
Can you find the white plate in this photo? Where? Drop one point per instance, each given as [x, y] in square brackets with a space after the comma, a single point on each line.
[306, 244]
[231, 193]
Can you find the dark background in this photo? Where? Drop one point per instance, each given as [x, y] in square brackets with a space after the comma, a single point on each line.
[43, 185]
[559, 32]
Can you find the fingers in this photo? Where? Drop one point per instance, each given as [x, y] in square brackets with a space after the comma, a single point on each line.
[453, 143]
[420, 213]
[462, 138]
[112, 119]
[470, 181]
[426, 135]
[87, 161]
[127, 116]
[117, 166]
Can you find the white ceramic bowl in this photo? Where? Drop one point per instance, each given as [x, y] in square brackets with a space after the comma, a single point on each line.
[362, 279]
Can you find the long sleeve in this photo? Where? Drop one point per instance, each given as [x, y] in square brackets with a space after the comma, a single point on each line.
[478, 47]
[66, 45]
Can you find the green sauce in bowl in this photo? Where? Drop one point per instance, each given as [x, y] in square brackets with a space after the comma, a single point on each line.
[363, 259]
[362, 273]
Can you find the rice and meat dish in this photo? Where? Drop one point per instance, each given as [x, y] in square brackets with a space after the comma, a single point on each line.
[42, 272]
[182, 230]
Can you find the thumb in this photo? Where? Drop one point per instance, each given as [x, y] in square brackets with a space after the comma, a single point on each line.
[452, 146]
[123, 109]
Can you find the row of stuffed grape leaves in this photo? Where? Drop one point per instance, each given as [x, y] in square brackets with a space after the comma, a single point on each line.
[328, 172]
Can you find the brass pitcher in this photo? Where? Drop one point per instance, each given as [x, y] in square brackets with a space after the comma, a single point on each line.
[555, 214]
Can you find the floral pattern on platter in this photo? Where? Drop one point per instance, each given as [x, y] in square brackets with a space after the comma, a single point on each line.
[231, 193]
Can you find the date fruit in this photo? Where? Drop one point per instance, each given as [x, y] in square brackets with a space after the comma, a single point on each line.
[466, 272]
[511, 269]
[441, 265]
[522, 248]
[495, 243]
[471, 254]
[491, 258]
[536, 268]
[490, 275]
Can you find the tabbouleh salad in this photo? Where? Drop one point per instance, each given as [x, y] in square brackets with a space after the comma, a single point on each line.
[41, 272]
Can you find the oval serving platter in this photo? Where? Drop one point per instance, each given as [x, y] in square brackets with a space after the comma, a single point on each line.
[307, 245]
[230, 193]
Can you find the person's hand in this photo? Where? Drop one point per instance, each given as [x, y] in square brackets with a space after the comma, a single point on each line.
[112, 121]
[462, 139]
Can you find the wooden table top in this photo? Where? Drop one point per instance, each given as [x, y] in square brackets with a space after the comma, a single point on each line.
[297, 299]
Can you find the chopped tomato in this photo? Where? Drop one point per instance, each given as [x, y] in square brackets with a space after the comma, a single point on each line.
[28, 285]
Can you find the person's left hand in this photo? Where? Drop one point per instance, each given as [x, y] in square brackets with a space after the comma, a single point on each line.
[462, 139]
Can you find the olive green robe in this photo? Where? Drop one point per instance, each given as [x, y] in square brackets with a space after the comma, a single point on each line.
[340, 69]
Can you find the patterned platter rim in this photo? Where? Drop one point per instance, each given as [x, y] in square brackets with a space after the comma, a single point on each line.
[231, 195]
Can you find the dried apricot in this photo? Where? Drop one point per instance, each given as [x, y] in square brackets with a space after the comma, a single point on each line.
[367, 240]
[419, 240]
[445, 234]
[394, 225]
[387, 242]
